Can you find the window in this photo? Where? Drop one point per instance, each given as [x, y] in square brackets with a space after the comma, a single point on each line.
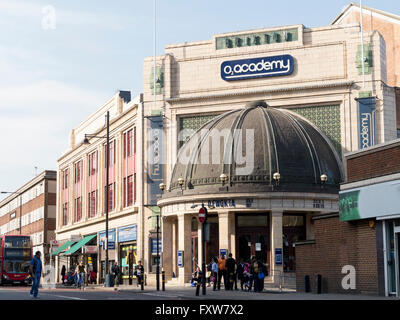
[65, 214]
[78, 171]
[12, 215]
[65, 179]
[128, 143]
[92, 203]
[92, 163]
[111, 155]
[111, 196]
[128, 191]
[78, 209]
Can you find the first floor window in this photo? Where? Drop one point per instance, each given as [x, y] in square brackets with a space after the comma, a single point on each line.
[78, 209]
[65, 214]
[111, 196]
[92, 203]
[128, 191]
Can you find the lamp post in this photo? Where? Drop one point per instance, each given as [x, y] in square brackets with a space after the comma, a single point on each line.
[162, 188]
[86, 141]
[20, 207]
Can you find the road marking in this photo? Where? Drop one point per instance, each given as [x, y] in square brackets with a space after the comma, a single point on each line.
[160, 295]
[67, 297]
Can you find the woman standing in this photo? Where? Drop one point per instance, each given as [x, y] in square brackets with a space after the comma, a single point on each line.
[63, 271]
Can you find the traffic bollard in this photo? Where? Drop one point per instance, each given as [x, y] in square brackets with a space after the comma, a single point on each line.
[306, 283]
[163, 280]
[141, 283]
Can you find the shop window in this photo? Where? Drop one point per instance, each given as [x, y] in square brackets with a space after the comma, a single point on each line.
[292, 221]
[78, 209]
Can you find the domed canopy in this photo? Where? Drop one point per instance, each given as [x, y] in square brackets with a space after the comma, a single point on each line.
[248, 146]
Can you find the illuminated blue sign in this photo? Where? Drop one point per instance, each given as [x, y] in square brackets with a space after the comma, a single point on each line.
[257, 68]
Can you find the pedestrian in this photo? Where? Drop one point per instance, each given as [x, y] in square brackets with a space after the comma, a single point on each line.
[214, 270]
[35, 269]
[246, 276]
[208, 274]
[222, 271]
[63, 271]
[139, 272]
[116, 271]
[230, 264]
[253, 273]
[75, 274]
[81, 274]
[239, 272]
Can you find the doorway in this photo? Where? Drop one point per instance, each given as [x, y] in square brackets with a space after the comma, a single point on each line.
[252, 237]
[294, 229]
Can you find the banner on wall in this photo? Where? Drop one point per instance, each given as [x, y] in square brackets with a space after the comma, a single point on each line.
[154, 172]
[128, 233]
[373, 201]
[111, 237]
[367, 121]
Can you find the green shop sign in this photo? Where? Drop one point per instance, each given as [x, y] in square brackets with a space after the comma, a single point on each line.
[348, 206]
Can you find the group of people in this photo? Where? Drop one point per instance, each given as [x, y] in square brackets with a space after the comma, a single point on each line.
[76, 275]
[250, 273]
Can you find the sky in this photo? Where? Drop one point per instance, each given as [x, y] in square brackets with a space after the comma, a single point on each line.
[62, 60]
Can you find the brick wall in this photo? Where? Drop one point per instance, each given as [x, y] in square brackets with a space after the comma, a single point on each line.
[397, 92]
[376, 164]
[338, 244]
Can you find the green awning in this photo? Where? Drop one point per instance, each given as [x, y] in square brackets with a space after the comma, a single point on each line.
[63, 247]
[79, 245]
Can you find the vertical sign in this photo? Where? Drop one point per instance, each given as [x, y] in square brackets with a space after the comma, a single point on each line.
[180, 258]
[278, 256]
[367, 121]
[154, 159]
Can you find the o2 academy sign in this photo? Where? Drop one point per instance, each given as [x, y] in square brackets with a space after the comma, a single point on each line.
[257, 68]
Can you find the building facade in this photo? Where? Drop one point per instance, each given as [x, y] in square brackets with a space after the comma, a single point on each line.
[31, 210]
[81, 196]
[313, 72]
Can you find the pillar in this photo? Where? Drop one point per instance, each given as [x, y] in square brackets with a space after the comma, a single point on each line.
[167, 246]
[185, 244]
[226, 226]
[276, 242]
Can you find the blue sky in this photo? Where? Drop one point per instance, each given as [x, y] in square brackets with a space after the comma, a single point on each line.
[52, 79]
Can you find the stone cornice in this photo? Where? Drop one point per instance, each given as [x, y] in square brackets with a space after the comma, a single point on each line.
[320, 85]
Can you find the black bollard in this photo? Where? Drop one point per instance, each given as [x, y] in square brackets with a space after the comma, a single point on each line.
[318, 284]
[306, 283]
[163, 280]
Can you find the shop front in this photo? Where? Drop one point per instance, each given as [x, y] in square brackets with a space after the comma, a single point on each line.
[127, 237]
[379, 204]
[102, 252]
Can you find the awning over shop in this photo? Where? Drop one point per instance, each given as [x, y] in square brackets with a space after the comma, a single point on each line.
[79, 245]
[62, 248]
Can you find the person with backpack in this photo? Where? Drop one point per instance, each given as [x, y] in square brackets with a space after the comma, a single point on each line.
[35, 270]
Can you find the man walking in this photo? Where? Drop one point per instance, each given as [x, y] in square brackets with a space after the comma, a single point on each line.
[35, 269]
[81, 274]
[222, 271]
[139, 272]
[214, 270]
[240, 271]
[115, 270]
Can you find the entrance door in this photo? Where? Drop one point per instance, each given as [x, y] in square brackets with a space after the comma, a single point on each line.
[253, 244]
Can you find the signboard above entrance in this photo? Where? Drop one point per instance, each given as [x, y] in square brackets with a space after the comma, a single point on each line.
[257, 68]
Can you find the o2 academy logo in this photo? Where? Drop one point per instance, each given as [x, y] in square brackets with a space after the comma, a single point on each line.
[257, 68]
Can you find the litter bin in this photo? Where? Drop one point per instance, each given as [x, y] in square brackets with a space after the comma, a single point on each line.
[307, 283]
[109, 280]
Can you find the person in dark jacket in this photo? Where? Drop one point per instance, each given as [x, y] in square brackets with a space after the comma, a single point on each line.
[63, 272]
[239, 272]
[116, 270]
[230, 265]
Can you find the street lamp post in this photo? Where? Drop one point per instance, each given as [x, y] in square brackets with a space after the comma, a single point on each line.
[86, 141]
[20, 207]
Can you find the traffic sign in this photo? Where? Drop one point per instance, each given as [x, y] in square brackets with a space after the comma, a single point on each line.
[202, 214]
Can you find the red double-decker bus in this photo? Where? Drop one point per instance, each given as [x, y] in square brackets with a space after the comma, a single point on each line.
[15, 255]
